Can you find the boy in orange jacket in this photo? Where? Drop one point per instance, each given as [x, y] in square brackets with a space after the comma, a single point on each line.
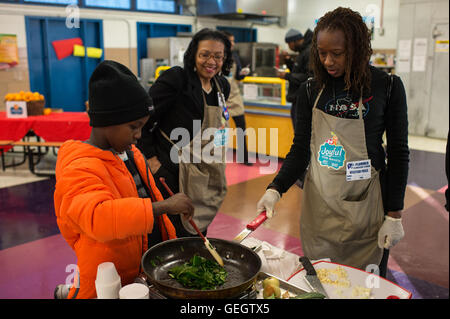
[106, 202]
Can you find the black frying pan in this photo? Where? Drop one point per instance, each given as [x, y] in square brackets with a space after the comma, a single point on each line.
[241, 263]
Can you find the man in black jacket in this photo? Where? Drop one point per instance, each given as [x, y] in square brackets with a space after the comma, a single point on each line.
[299, 68]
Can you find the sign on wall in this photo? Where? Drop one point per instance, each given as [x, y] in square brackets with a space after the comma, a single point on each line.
[9, 52]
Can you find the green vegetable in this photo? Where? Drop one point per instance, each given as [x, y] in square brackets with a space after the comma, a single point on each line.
[199, 273]
[309, 295]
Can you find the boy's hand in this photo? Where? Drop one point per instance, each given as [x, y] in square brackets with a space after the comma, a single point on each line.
[178, 204]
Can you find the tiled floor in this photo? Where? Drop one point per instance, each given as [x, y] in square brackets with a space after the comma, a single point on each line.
[34, 257]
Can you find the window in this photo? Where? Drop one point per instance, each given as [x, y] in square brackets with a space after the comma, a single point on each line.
[54, 1]
[156, 5]
[113, 4]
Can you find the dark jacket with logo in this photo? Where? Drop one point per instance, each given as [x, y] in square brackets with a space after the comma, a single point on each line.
[380, 115]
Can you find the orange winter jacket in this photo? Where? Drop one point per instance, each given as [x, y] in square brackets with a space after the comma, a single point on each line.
[100, 214]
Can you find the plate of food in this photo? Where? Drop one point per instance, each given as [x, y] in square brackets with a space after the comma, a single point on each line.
[269, 286]
[345, 282]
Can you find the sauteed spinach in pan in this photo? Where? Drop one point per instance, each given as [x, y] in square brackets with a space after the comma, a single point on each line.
[199, 273]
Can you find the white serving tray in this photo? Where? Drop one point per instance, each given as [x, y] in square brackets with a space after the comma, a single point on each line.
[359, 283]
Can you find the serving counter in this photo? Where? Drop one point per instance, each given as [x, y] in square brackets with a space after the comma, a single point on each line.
[267, 116]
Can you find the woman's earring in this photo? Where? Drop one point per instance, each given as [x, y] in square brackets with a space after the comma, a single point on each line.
[195, 69]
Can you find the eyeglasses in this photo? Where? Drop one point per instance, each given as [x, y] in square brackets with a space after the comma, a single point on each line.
[206, 56]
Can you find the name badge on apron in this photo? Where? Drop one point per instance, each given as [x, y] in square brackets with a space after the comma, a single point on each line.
[358, 170]
[221, 137]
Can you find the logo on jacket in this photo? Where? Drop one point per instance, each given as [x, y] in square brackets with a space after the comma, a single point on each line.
[331, 153]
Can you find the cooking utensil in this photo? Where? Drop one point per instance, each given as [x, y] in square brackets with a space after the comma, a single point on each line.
[241, 263]
[208, 245]
[311, 276]
[261, 218]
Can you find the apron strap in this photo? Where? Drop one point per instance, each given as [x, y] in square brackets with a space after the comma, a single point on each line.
[167, 138]
[318, 96]
[360, 106]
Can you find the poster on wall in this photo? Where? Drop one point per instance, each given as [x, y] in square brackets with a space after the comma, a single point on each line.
[9, 52]
[419, 62]
[404, 56]
[441, 46]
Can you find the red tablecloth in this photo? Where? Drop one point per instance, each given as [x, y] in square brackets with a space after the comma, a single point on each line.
[55, 127]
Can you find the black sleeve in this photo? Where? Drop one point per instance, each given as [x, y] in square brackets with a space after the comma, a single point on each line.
[300, 74]
[164, 93]
[289, 63]
[297, 159]
[397, 150]
[296, 78]
[237, 60]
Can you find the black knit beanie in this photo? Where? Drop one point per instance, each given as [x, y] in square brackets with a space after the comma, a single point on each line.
[293, 35]
[116, 96]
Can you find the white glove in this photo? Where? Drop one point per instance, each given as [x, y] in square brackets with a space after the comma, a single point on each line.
[244, 71]
[390, 233]
[267, 202]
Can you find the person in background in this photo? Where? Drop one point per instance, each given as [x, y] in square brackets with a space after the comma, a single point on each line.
[107, 205]
[299, 68]
[354, 190]
[235, 103]
[189, 106]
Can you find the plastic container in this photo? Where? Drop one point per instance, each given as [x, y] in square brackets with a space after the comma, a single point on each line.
[108, 282]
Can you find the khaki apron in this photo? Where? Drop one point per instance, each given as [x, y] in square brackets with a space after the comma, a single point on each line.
[235, 103]
[340, 219]
[204, 181]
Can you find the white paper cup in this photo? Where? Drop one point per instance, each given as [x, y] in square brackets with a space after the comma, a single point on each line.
[107, 273]
[134, 291]
[107, 283]
[108, 291]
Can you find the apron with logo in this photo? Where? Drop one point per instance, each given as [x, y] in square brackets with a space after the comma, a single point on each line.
[342, 208]
[202, 175]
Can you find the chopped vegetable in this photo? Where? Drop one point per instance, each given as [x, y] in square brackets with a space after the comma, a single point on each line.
[271, 281]
[271, 287]
[199, 273]
[271, 291]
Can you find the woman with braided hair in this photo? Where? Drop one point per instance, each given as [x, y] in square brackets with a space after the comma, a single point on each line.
[354, 187]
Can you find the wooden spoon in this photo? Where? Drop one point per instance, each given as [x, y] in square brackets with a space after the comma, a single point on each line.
[208, 245]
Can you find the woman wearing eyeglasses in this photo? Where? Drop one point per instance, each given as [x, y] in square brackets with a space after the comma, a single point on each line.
[185, 142]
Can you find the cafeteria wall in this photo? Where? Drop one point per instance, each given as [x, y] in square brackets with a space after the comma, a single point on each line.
[14, 79]
[120, 34]
[304, 13]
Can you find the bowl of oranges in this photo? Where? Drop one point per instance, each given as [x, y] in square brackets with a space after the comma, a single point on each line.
[35, 101]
